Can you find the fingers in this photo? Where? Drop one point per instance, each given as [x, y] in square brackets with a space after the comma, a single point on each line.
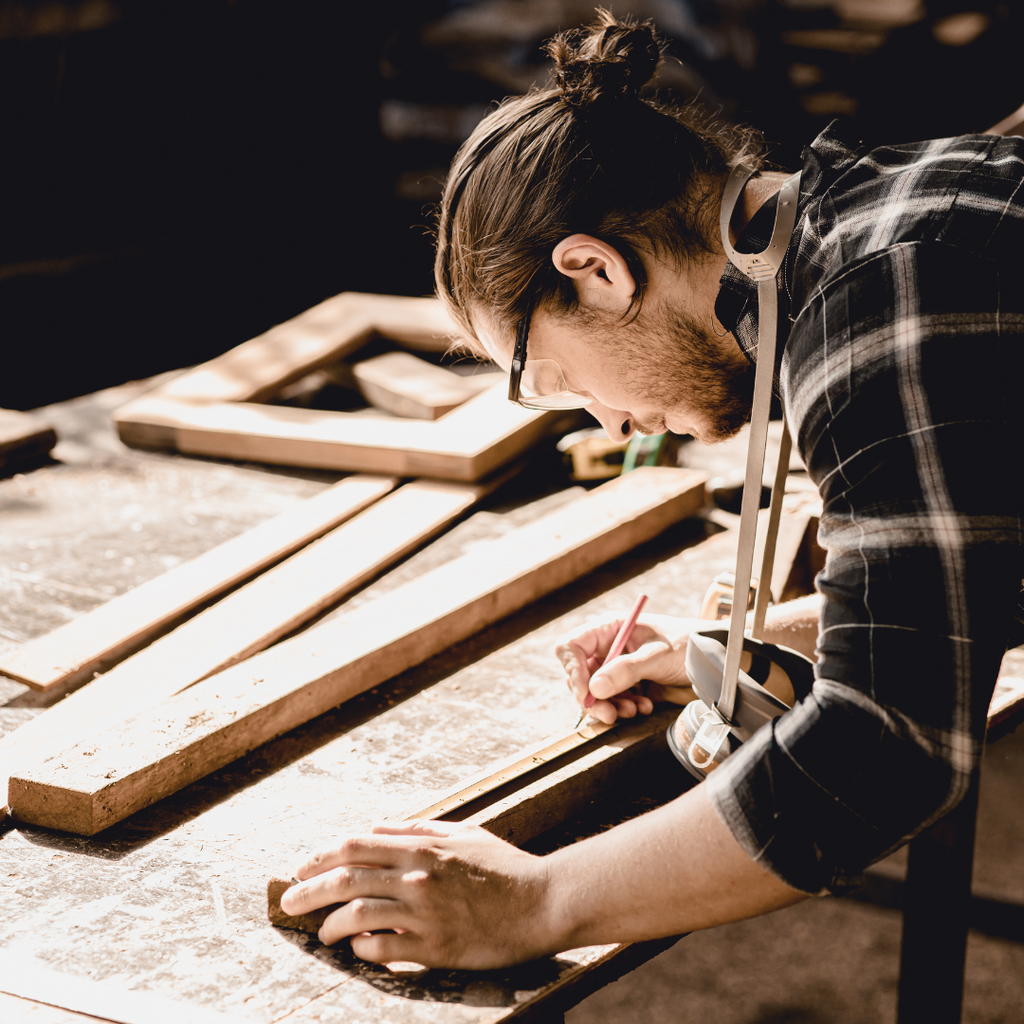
[628, 705]
[353, 851]
[365, 914]
[656, 660]
[386, 947]
[583, 650]
[336, 886]
[425, 827]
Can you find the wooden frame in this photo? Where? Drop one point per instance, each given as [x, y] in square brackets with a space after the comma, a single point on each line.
[214, 409]
[95, 784]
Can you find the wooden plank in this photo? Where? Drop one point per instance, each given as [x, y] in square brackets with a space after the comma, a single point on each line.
[31, 979]
[327, 332]
[527, 794]
[468, 443]
[248, 620]
[23, 437]
[71, 654]
[16, 1010]
[405, 385]
[94, 784]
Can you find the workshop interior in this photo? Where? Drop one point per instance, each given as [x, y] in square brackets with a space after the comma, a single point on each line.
[278, 561]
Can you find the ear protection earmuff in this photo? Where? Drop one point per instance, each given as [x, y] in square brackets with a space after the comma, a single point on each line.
[733, 703]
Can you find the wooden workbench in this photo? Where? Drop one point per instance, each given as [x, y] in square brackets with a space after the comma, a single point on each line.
[171, 903]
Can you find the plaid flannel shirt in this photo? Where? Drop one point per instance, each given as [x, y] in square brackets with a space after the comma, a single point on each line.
[901, 336]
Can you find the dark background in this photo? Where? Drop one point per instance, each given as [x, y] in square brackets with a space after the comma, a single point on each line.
[179, 175]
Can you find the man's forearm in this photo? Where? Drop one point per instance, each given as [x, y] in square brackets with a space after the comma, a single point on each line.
[794, 624]
[676, 869]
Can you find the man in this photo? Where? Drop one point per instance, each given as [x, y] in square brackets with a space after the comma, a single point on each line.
[578, 224]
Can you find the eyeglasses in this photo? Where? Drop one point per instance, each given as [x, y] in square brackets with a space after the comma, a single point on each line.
[539, 383]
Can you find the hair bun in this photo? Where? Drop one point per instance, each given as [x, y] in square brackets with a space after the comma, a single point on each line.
[607, 61]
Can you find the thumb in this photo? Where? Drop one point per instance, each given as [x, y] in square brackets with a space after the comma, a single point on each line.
[657, 661]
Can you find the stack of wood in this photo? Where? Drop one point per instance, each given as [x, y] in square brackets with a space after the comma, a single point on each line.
[201, 665]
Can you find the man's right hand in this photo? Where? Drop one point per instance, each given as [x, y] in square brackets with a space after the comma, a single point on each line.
[655, 654]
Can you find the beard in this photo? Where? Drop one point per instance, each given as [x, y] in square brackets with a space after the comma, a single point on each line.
[677, 361]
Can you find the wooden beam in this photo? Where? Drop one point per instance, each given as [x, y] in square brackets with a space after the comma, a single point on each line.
[248, 620]
[23, 437]
[527, 794]
[94, 784]
[468, 443]
[71, 654]
[102, 1000]
[405, 385]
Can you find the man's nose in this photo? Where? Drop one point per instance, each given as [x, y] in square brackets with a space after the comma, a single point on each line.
[617, 424]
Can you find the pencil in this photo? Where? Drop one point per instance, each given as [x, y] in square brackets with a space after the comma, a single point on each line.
[617, 647]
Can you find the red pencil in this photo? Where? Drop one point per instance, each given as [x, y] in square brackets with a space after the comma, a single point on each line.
[617, 647]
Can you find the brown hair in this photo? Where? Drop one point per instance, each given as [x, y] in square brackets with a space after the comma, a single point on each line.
[585, 155]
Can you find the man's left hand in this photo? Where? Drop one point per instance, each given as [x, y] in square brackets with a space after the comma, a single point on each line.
[435, 893]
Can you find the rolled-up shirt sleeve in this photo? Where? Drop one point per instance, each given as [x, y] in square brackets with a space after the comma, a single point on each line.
[902, 381]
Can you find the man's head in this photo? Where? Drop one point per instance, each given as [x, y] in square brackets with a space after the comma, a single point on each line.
[562, 202]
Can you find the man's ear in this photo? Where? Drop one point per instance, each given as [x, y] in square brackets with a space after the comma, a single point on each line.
[598, 270]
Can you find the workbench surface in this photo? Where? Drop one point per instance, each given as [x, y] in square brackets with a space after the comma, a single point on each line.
[171, 902]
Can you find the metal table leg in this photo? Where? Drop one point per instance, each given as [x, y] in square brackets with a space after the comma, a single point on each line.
[936, 908]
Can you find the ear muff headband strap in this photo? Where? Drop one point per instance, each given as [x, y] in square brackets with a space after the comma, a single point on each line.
[761, 267]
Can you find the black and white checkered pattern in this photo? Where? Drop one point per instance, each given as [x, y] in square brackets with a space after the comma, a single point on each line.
[902, 376]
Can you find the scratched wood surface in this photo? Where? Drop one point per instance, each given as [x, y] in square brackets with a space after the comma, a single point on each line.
[172, 901]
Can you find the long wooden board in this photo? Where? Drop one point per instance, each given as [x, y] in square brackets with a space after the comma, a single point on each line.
[468, 443]
[248, 620]
[71, 654]
[101, 1000]
[527, 794]
[94, 784]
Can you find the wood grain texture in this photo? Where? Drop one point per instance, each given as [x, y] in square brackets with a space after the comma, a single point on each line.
[467, 444]
[405, 385]
[32, 979]
[71, 654]
[248, 620]
[23, 437]
[92, 785]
